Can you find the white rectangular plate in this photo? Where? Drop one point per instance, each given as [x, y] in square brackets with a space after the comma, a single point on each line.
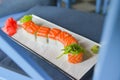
[53, 49]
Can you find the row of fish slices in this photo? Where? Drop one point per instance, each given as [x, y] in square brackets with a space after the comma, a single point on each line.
[53, 33]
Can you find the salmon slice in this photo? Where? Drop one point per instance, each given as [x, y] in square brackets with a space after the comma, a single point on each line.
[53, 33]
[62, 36]
[26, 24]
[75, 58]
[30, 27]
[69, 40]
[43, 31]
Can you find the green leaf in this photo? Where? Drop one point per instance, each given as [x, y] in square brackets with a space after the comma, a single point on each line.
[26, 18]
[73, 49]
[60, 56]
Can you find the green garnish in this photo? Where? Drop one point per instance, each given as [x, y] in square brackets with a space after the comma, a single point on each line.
[95, 49]
[60, 56]
[73, 49]
[35, 34]
[26, 18]
[47, 39]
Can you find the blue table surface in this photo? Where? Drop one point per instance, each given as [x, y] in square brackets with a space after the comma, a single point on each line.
[85, 24]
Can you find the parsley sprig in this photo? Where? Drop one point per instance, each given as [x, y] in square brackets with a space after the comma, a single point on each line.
[73, 49]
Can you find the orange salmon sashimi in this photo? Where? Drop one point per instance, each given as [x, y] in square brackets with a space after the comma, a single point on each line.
[53, 33]
[69, 40]
[75, 58]
[43, 31]
[30, 27]
[62, 36]
[26, 24]
[74, 52]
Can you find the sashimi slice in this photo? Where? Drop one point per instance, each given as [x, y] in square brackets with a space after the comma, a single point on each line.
[53, 33]
[75, 58]
[69, 40]
[26, 24]
[60, 37]
[30, 27]
[74, 52]
[43, 31]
